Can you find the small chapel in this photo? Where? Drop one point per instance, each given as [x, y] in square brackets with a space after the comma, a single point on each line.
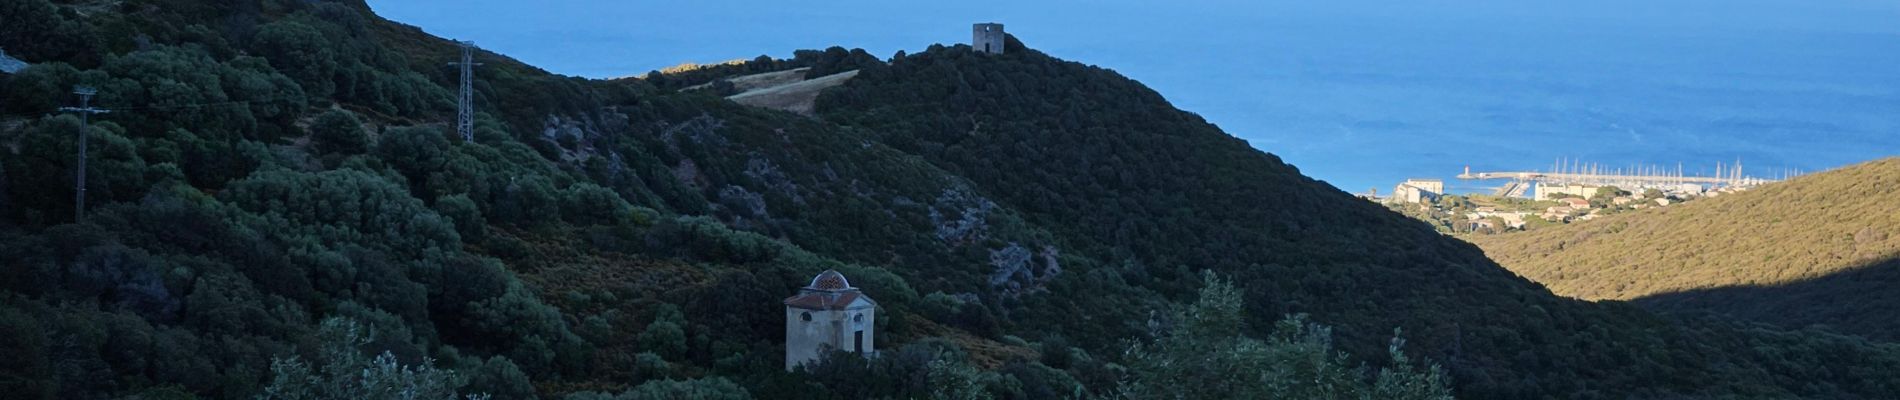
[828, 314]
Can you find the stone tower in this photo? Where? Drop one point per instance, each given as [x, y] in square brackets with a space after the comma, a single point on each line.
[828, 315]
[987, 38]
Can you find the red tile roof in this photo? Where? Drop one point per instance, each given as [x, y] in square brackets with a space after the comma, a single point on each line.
[817, 300]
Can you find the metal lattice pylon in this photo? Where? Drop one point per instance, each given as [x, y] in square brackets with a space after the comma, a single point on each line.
[465, 102]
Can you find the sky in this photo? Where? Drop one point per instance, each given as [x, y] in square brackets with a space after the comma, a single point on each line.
[1361, 94]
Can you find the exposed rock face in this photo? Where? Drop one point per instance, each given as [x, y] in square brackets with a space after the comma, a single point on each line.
[687, 172]
[768, 174]
[743, 202]
[702, 130]
[1015, 271]
[967, 220]
[1010, 262]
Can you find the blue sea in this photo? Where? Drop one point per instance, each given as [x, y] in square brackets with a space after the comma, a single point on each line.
[1361, 115]
[1366, 105]
[1359, 93]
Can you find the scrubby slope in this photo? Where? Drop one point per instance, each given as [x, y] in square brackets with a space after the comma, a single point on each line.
[275, 172]
[1835, 226]
[272, 165]
[1858, 300]
[1806, 228]
[1113, 169]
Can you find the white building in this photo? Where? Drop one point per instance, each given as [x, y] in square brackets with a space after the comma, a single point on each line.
[1548, 191]
[1514, 220]
[828, 315]
[1414, 191]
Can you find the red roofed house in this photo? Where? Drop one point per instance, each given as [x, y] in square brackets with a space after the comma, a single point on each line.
[827, 315]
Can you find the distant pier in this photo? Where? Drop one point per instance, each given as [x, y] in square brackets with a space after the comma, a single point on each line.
[1574, 176]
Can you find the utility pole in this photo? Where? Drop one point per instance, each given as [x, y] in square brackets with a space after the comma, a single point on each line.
[465, 106]
[85, 111]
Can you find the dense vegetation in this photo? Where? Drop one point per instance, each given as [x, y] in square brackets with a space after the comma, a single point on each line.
[1818, 249]
[277, 210]
[1208, 356]
[1115, 172]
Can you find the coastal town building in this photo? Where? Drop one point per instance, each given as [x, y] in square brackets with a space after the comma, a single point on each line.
[1550, 191]
[1414, 191]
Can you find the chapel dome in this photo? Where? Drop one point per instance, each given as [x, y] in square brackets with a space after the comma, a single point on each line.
[829, 280]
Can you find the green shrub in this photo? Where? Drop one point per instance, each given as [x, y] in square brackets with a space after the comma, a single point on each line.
[416, 152]
[527, 201]
[590, 204]
[342, 371]
[1207, 357]
[714, 388]
[302, 52]
[466, 216]
[500, 378]
[666, 335]
[339, 132]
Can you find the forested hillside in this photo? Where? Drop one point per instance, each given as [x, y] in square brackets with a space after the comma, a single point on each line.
[277, 209]
[1818, 249]
[1111, 168]
[276, 204]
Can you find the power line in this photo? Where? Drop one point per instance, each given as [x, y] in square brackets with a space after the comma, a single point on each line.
[85, 111]
[207, 105]
[171, 107]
